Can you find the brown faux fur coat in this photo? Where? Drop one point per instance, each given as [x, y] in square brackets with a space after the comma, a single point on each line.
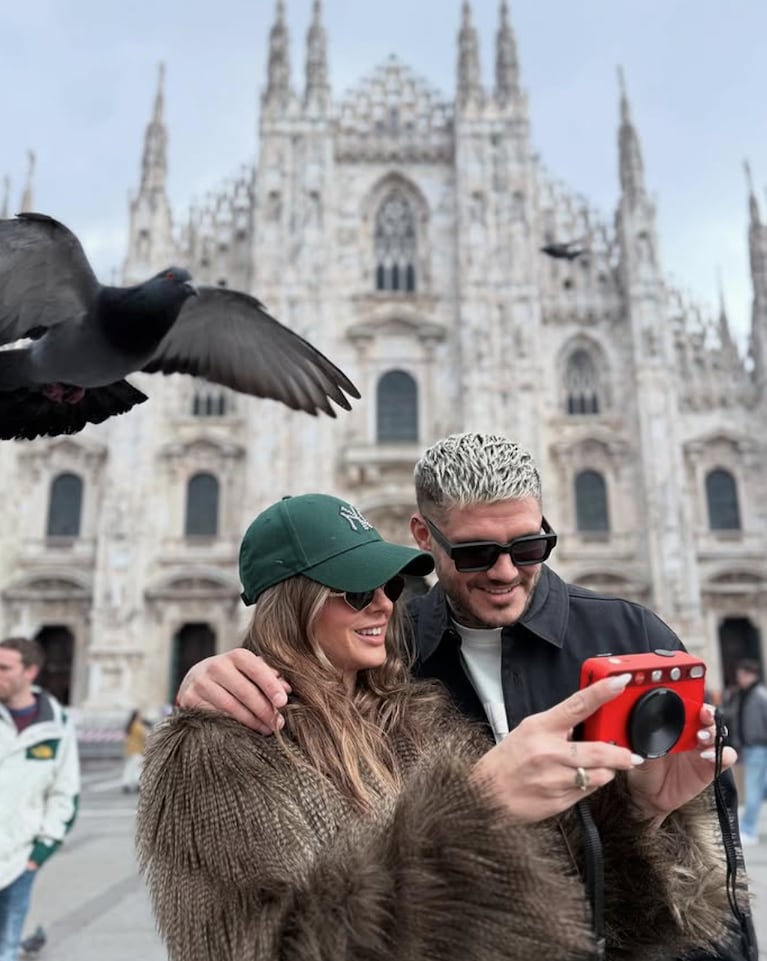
[249, 858]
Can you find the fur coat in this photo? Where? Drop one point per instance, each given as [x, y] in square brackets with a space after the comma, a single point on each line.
[249, 857]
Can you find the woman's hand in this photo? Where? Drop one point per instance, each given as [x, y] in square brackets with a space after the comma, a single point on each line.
[663, 784]
[537, 771]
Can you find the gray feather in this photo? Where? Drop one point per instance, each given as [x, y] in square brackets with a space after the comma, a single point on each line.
[250, 352]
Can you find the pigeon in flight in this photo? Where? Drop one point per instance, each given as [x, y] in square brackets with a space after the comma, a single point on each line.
[86, 338]
[568, 250]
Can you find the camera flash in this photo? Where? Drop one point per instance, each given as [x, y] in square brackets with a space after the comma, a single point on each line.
[675, 673]
[656, 675]
[697, 671]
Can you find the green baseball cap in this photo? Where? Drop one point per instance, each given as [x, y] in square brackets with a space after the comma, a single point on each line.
[327, 540]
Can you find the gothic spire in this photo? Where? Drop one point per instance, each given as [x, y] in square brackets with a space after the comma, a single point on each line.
[506, 64]
[629, 150]
[6, 195]
[27, 202]
[154, 163]
[725, 335]
[278, 70]
[469, 74]
[317, 86]
[753, 205]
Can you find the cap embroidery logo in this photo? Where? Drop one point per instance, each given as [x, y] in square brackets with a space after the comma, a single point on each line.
[353, 516]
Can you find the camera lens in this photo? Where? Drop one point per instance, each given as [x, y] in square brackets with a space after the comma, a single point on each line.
[656, 722]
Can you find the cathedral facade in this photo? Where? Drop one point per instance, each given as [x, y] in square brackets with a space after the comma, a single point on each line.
[400, 232]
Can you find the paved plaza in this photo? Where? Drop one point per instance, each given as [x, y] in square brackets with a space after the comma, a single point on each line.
[92, 904]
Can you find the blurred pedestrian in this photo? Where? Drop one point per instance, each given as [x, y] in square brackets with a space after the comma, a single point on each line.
[747, 722]
[135, 742]
[39, 782]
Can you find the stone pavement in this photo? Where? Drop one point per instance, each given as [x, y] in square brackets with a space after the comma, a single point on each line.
[92, 905]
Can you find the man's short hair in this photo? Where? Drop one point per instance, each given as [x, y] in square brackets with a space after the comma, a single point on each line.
[31, 652]
[475, 468]
[749, 665]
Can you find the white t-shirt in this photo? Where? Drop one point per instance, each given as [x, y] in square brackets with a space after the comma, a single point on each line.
[481, 655]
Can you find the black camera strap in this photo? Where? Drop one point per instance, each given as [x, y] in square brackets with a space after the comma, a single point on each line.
[594, 874]
[594, 861]
[728, 840]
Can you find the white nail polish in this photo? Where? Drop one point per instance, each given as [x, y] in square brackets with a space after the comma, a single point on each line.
[618, 682]
[637, 759]
[704, 735]
[708, 755]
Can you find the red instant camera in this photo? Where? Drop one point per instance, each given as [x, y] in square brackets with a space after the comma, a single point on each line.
[659, 711]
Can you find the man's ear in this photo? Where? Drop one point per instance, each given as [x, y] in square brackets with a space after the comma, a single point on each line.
[32, 671]
[420, 532]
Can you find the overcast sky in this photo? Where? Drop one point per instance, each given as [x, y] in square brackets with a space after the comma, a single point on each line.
[78, 79]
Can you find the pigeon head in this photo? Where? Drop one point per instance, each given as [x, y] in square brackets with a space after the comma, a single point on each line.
[175, 279]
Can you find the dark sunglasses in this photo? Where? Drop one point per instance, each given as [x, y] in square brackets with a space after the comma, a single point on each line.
[359, 600]
[481, 555]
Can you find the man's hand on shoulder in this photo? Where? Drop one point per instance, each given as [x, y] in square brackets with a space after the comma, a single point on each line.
[238, 683]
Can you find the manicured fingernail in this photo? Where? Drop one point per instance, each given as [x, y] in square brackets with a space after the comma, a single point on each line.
[704, 735]
[618, 682]
[709, 755]
[280, 699]
[637, 759]
[280, 722]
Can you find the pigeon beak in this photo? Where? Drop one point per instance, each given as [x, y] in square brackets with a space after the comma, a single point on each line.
[188, 285]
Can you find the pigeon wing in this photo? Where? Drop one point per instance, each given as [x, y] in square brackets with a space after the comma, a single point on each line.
[229, 338]
[45, 277]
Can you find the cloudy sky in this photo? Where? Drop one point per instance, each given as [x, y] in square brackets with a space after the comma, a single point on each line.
[78, 79]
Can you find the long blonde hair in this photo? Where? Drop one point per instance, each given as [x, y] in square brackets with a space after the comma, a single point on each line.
[347, 738]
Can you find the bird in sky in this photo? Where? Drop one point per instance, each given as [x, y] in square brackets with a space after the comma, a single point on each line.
[567, 250]
[86, 338]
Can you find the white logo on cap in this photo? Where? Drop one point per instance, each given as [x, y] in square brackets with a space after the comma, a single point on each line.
[354, 517]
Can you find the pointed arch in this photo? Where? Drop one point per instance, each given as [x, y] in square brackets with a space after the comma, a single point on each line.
[397, 214]
[582, 383]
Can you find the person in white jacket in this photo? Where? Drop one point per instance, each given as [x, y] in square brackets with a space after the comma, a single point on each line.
[39, 782]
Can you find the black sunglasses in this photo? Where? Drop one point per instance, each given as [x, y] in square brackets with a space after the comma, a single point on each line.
[359, 600]
[482, 555]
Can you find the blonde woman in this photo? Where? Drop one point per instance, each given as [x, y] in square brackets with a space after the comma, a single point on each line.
[376, 825]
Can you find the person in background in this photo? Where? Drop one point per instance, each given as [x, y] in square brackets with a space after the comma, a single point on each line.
[39, 783]
[746, 713]
[135, 742]
[500, 629]
[378, 824]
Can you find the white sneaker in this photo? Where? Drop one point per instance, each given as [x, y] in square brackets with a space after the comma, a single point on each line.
[748, 839]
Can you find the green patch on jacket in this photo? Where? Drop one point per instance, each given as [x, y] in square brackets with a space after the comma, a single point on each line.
[43, 750]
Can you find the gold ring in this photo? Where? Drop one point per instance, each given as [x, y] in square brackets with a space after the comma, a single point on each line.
[582, 778]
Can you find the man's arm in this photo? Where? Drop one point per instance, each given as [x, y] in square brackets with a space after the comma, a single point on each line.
[238, 683]
[61, 800]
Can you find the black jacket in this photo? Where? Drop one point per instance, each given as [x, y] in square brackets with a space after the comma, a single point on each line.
[541, 657]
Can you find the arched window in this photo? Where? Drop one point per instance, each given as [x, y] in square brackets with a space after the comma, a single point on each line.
[395, 243]
[722, 501]
[591, 502]
[397, 398]
[582, 384]
[201, 506]
[65, 506]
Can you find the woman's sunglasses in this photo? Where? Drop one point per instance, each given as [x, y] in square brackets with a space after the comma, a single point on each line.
[359, 600]
[482, 555]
